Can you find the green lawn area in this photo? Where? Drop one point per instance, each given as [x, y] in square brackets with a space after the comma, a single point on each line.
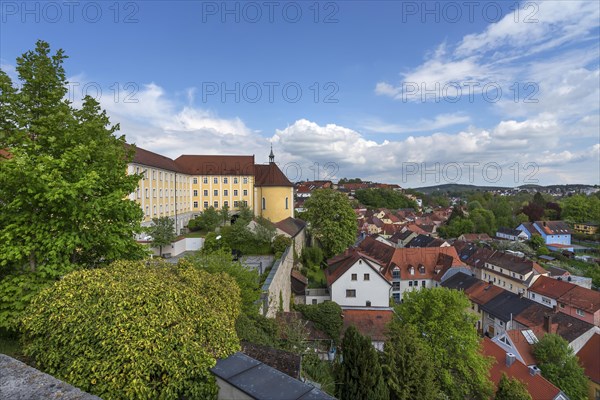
[316, 278]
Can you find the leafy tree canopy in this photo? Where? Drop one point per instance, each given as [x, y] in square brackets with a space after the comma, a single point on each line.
[332, 220]
[511, 389]
[560, 366]
[143, 330]
[440, 316]
[384, 198]
[162, 232]
[64, 191]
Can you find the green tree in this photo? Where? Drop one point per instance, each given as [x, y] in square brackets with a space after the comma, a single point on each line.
[143, 330]
[280, 243]
[536, 242]
[64, 191]
[360, 375]
[214, 242]
[442, 319]
[162, 232]
[474, 205]
[581, 208]
[511, 389]
[384, 198]
[407, 368]
[560, 366]
[484, 221]
[224, 214]
[457, 227]
[331, 219]
[208, 220]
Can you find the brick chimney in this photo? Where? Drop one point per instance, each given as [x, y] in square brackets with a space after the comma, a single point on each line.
[548, 323]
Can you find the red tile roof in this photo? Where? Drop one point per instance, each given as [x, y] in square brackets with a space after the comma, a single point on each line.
[587, 300]
[553, 227]
[371, 323]
[216, 164]
[338, 265]
[522, 345]
[589, 356]
[150, 159]
[550, 287]
[537, 386]
[270, 175]
[482, 292]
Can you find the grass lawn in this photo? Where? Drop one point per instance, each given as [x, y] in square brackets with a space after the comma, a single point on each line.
[196, 234]
[316, 278]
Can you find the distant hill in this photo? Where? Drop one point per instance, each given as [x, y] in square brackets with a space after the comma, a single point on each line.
[456, 187]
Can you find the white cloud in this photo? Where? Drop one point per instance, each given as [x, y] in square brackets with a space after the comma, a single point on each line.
[424, 125]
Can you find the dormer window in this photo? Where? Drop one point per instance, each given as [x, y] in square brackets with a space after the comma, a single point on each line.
[396, 273]
[421, 269]
[412, 270]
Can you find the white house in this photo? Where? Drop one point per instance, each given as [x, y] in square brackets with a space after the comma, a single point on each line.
[355, 280]
[511, 234]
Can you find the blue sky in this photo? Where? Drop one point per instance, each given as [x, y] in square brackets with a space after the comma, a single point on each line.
[414, 93]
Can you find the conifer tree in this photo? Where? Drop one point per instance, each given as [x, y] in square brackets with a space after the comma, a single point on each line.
[360, 375]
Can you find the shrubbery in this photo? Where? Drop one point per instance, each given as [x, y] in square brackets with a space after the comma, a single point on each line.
[135, 330]
[327, 317]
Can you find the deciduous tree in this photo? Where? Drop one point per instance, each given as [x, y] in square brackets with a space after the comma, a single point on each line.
[64, 189]
[511, 389]
[440, 317]
[162, 232]
[560, 366]
[332, 220]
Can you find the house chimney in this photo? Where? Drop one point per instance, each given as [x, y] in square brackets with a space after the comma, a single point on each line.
[548, 323]
[534, 370]
[510, 359]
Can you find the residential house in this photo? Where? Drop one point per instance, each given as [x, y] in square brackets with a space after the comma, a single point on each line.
[589, 357]
[402, 238]
[567, 298]
[537, 318]
[519, 342]
[506, 363]
[556, 234]
[499, 312]
[426, 241]
[355, 280]
[413, 268]
[587, 228]
[474, 237]
[510, 272]
[511, 234]
[371, 323]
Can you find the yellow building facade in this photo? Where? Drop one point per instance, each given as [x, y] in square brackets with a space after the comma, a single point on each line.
[183, 188]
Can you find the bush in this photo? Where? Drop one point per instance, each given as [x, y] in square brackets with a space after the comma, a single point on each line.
[312, 256]
[280, 243]
[327, 317]
[135, 330]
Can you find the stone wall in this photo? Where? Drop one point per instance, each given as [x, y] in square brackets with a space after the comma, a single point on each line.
[277, 288]
[18, 381]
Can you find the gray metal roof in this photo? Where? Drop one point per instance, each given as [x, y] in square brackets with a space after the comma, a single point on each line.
[262, 382]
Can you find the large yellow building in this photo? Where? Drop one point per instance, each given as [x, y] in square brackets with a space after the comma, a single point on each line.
[184, 187]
